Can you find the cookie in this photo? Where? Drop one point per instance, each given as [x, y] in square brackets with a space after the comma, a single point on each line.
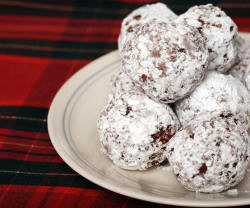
[121, 83]
[167, 60]
[217, 93]
[219, 31]
[144, 14]
[241, 70]
[134, 130]
[209, 155]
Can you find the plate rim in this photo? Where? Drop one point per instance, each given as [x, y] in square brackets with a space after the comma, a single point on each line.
[61, 152]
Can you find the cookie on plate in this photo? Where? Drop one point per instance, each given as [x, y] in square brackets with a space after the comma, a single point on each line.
[217, 93]
[209, 155]
[241, 70]
[167, 60]
[219, 31]
[121, 83]
[144, 14]
[134, 130]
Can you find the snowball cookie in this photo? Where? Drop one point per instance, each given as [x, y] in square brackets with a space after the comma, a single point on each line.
[242, 45]
[241, 71]
[121, 82]
[134, 131]
[144, 14]
[220, 32]
[217, 92]
[167, 60]
[209, 155]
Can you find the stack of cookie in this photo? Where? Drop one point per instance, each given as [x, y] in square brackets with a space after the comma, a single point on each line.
[174, 98]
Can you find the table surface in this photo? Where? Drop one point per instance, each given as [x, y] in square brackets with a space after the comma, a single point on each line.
[42, 44]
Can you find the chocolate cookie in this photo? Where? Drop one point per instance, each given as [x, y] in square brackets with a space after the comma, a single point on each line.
[241, 70]
[167, 60]
[219, 31]
[217, 93]
[209, 155]
[134, 130]
[142, 15]
[121, 83]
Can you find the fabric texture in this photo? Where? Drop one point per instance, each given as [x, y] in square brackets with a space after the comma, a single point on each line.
[42, 44]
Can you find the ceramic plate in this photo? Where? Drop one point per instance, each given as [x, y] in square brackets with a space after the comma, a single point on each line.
[72, 128]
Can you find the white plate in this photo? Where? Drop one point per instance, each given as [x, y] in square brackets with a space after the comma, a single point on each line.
[72, 128]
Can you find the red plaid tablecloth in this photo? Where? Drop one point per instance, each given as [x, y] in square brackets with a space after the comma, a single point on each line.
[42, 43]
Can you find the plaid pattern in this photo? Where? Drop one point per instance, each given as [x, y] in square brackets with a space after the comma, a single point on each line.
[42, 43]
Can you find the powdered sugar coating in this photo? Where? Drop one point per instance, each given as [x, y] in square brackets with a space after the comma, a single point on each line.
[144, 14]
[241, 71]
[209, 155]
[217, 93]
[121, 82]
[134, 130]
[167, 60]
[242, 45]
[220, 32]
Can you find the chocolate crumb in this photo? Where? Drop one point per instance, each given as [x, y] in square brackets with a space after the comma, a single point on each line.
[191, 134]
[153, 156]
[212, 124]
[234, 175]
[245, 157]
[155, 53]
[173, 58]
[228, 173]
[235, 121]
[217, 25]
[200, 30]
[223, 100]
[203, 168]
[130, 29]
[228, 115]
[235, 164]
[218, 144]
[182, 50]
[143, 77]
[163, 135]
[128, 110]
[164, 163]
[162, 67]
[137, 17]
[155, 162]
[201, 20]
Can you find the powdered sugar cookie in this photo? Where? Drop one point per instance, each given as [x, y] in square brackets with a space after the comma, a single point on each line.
[209, 155]
[217, 93]
[167, 60]
[134, 130]
[121, 83]
[241, 71]
[220, 33]
[144, 14]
